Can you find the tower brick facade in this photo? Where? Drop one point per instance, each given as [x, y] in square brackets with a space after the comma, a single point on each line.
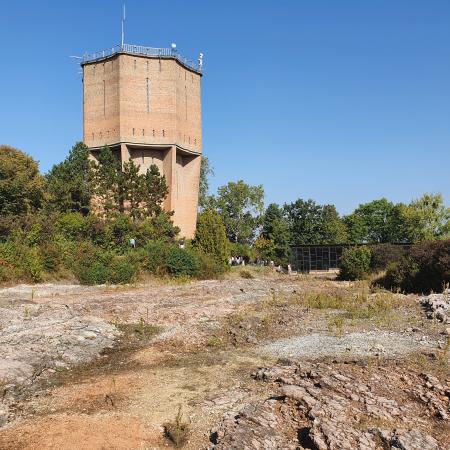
[147, 107]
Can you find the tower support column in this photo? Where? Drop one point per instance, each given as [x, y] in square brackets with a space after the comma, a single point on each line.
[124, 153]
[169, 164]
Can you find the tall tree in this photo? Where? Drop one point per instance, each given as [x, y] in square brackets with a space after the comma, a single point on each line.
[21, 184]
[133, 189]
[426, 218]
[310, 223]
[275, 235]
[108, 185]
[67, 184]
[380, 220]
[240, 206]
[211, 238]
[155, 192]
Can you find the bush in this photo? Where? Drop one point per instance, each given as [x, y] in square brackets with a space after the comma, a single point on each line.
[50, 257]
[156, 256]
[383, 255]
[181, 262]
[72, 225]
[208, 268]
[355, 263]
[426, 268]
[121, 270]
[91, 265]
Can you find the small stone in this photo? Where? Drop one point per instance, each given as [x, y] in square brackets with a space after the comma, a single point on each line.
[89, 335]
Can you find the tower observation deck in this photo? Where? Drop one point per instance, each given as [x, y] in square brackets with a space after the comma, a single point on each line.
[145, 104]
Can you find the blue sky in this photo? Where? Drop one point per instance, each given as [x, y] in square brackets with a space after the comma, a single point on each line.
[339, 101]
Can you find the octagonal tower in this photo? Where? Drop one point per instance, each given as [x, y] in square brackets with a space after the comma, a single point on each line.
[145, 104]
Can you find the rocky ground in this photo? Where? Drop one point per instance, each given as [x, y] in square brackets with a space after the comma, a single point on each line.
[273, 361]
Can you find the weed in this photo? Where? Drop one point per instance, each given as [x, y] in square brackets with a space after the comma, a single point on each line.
[111, 396]
[214, 341]
[264, 320]
[177, 431]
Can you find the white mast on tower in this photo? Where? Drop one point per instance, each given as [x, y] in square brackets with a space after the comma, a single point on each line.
[123, 20]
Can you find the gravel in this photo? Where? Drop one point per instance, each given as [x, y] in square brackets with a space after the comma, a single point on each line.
[369, 343]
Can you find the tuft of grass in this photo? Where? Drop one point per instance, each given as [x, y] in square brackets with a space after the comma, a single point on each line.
[214, 341]
[443, 357]
[246, 274]
[336, 323]
[177, 431]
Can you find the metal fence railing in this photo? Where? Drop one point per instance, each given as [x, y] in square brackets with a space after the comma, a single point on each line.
[141, 50]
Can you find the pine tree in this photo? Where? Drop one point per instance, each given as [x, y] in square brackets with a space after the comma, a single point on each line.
[155, 191]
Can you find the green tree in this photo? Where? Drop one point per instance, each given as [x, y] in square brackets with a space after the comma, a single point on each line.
[205, 171]
[275, 236]
[211, 238]
[67, 184]
[310, 223]
[21, 185]
[333, 229]
[108, 183]
[134, 189]
[155, 192]
[357, 229]
[380, 221]
[240, 206]
[426, 218]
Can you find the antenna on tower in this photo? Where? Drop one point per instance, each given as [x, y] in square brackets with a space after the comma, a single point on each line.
[123, 20]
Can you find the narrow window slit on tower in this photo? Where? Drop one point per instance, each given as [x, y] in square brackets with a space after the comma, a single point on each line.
[143, 132]
[133, 131]
[164, 133]
[153, 133]
[148, 95]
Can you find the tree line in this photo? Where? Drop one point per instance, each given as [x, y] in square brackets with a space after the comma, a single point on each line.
[270, 231]
[108, 190]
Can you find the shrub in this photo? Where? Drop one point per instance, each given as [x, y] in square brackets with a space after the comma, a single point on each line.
[355, 263]
[383, 255]
[426, 268]
[208, 268]
[181, 262]
[34, 264]
[121, 270]
[156, 255]
[72, 225]
[95, 273]
[50, 257]
[91, 265]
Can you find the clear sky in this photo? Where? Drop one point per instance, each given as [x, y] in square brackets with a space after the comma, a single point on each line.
[339, 101]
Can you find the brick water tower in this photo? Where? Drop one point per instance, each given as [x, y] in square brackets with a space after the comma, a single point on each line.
[145, 104]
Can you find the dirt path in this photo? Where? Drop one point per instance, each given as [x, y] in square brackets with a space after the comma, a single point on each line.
[191, 345]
